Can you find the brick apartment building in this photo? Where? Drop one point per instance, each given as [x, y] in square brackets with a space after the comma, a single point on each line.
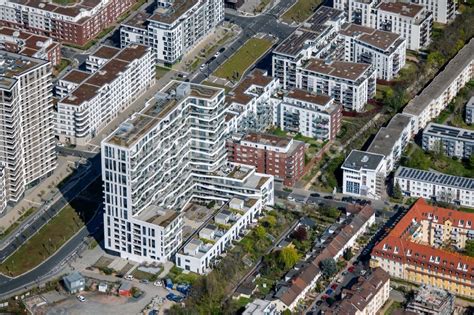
[74, 24]
[281, 157]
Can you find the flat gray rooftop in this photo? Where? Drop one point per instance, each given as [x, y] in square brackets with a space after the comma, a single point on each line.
[358, 160]
[442, 81]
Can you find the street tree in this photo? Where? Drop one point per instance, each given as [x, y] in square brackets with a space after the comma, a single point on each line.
[288, 256]
[328, 267]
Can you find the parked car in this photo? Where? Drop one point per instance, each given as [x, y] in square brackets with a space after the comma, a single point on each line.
[128, 277]
[290, 198]
[315, 195]
[158, 283]
[145, 281]
[202, 67]
[169, 283]
[175, 298]
[329, 291]
[222, 50]
[81, 298]
[334, 286]
[328, 197]
[183, 288]
[351, 269]
[217, 54]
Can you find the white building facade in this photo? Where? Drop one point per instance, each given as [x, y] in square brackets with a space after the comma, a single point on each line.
[88, 106]
[386, 51]
[227, 226]
[427, 105]
[413, 22]
[364, 174]
[435, 185]
[159, 160]
[27, 147]
[174, 28]
[451, 141]
[312, 115]
[350, 84]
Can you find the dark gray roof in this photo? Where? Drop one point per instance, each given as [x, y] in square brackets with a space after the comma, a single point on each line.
[435, 178]
[443, 131]
[360, 159]
[442, 81]
[385, 139]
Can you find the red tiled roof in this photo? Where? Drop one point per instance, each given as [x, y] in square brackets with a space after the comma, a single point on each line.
[398, 245]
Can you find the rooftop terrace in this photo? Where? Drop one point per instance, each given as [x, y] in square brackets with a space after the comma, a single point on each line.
[157, 108]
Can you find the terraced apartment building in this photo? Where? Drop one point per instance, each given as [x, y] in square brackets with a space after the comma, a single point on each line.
[75, 23]
[167, 155]
[89, 100]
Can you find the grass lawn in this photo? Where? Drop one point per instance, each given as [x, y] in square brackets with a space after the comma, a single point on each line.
[300, 11]
[415, 157]
[103, 262]
[141, 275]
[161, 71]
[178, 276]
[49, 238]
[278, 132]
[62, 65]
[262, 5]
[246, 56]
[22, 218]
[65, 2]
[394, 306]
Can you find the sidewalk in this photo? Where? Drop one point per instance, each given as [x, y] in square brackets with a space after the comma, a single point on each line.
[223, 35]
[37, 196]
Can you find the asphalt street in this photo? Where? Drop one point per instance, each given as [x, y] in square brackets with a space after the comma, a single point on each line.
[7, 284]
[264, 23]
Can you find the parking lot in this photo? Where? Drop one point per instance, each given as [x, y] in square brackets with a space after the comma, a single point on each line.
[102, 303]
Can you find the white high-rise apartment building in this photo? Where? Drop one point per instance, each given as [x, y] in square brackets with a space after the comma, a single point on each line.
[27, 146]
[92, 100]
[364, 12]
[168, 154]
[412, 21]
[348, 83]
[386, 51]
[174, 28]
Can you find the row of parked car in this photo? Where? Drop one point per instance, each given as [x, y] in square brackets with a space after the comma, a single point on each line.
[217, 54]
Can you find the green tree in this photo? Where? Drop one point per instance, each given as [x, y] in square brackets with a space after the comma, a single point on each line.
[469, 248]
[260, 232]
[288, 256]
[348, 254]
[329, 211]
[328, 267]
[397, 191]
[270, 221]
[435, 59]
